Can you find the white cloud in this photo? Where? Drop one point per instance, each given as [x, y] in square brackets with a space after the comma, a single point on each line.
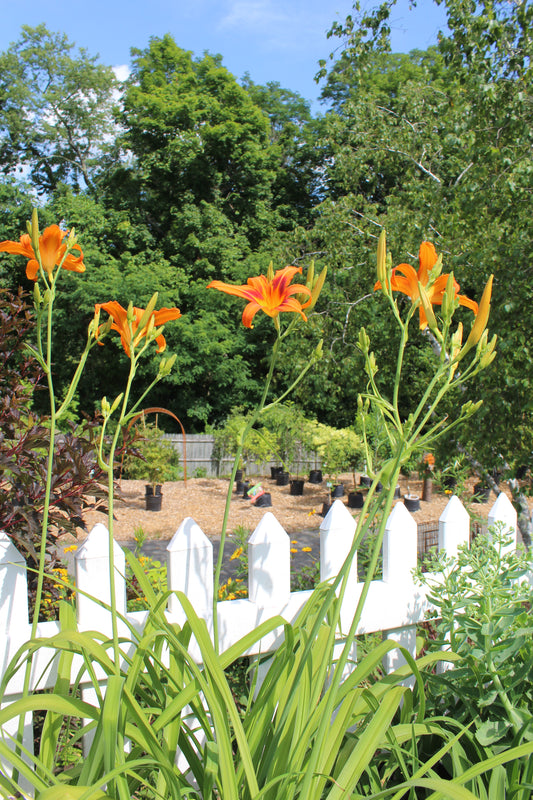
[122, 72]
[253, 14]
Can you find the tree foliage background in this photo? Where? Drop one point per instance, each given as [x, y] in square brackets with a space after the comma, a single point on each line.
[184, 173]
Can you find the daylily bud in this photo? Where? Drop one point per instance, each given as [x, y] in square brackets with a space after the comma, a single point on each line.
[106, 408]
[457, 340]
[166, 364]
[310, 275]
[436, 269]
[469, 408]
[47, 296]
[372, 367]
[143, 322]
[270, 272]
[448, 298]
[364, 340]
[480, 322]
[317, 354]
[359, 404]
[94, 324]
[116, 402]
[36, 295]
[35, 231]
[317, 288]
[428, 309]
[382, 258]
[486, 359]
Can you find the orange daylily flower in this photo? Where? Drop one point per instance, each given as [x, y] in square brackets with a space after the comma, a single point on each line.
[52, 248]
[268, 295]
[405, 279]
[120, 323]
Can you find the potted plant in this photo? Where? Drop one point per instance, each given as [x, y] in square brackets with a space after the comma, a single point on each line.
[285, 423]
[257, 448]
[153, 459]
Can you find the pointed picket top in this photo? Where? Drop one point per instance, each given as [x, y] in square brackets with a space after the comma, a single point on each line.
[13, 588]
[92, 578]
[188, 536]
[454, 527]
[190, 568]
[96, 544]
[269, 564]
[268, 530]
[8, 552]
[336, 537]
[339, 518]
[504, 511]
[399, 546]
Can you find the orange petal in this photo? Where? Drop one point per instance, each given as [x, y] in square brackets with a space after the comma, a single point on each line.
[427, 258]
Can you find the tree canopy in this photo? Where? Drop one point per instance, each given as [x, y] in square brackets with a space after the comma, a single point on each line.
[184, 174]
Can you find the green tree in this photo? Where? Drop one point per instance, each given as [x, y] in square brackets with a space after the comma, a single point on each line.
[56, 111]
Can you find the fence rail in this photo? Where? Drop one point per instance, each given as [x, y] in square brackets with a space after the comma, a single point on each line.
[395, 604]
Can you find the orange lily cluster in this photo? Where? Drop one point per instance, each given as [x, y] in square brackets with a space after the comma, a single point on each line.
[52, 248]
[405, 279]
[133, 336]
[271, 295]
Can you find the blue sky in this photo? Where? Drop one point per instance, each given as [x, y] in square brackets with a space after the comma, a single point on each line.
[273, 40]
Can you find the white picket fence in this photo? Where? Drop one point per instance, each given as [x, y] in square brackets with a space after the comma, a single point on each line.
[394, 604]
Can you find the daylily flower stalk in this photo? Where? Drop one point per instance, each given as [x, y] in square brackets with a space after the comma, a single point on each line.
[274, 294]
[406, 437]
[138, 329]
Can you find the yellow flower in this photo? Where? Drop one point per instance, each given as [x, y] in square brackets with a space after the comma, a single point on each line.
[294, 549]
[307, 549]
[70, 549]
[236, 554]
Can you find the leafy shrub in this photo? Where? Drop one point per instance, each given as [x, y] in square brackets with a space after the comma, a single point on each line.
[152, 458]
[77, 482]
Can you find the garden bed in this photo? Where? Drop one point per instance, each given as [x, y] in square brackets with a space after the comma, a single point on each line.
[203, 499]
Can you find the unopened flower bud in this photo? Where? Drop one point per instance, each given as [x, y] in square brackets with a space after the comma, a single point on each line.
[364, 340]
[382, 258]
[166, 364]
[482, 317]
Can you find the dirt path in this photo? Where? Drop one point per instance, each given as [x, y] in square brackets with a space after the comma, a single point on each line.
[203, 499]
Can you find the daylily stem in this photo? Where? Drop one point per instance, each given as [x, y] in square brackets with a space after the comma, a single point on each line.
[247, 429]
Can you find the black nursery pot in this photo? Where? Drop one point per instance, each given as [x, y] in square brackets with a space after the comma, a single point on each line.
[282, 479]
[356, 500]
[153, 501]
[337, 491]
[149, 489]
[274, 472]
[315, 476]
[245, 487]
[325, 508]
[297, 486]
[365, 480]
[264, 501]
[481, 493]
[239, 475]
[239, 486]
[411, 502]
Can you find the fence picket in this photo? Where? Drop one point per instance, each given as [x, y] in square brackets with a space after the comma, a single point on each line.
[394, 605]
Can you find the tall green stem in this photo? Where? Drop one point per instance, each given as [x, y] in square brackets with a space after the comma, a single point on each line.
[246, 431]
